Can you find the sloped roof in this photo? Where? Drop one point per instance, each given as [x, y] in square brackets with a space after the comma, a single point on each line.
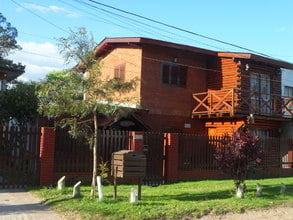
[10, 73]
[106, 45]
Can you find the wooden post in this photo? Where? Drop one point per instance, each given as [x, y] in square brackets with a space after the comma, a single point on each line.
[115, 182]
[139, 188]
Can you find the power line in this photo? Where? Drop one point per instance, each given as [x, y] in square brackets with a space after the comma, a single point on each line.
[178, 28]
[42, 18]
[143, 29]
[153, 29]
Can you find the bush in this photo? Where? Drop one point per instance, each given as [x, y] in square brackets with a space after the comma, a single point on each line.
[237, 154]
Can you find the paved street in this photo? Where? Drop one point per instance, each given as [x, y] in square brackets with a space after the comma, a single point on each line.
[20, 205]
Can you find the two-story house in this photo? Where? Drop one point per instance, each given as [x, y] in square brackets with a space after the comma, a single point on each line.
[193, 90]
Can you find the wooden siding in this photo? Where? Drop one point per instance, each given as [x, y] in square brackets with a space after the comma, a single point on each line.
[223, 75]
[224, 127]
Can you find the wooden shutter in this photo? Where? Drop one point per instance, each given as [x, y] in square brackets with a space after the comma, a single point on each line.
[119, 72]
[165, 74]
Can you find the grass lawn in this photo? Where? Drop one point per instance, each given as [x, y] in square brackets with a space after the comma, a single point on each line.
[171, 201]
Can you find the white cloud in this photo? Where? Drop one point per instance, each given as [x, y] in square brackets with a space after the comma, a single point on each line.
[50, 8]
[39, 59]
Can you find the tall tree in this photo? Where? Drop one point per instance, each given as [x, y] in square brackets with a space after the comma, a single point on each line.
[8, 43]
[75, 99]
[7, 37]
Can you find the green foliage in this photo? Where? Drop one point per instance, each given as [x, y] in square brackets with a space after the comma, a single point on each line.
[75, 97]
[103, 169]
[8, 43]
[19, 103]
[185, 200]
[7, 37]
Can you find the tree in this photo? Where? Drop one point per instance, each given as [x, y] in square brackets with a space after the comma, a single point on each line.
[8, 43]
[7, 37]
[75, 99]
[18, 104]
[237, 154]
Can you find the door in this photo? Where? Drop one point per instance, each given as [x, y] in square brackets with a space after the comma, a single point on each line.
[155, 154]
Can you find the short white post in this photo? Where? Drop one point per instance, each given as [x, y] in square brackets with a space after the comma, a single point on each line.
[240, 192]
[259, 190]
[76, 190]
[61, 183]
[133, 196]
[283, 188]
[99, 183]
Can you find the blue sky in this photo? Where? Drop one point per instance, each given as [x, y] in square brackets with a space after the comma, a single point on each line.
[265, 26]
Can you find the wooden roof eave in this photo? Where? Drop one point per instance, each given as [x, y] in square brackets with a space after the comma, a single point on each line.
[248, 56]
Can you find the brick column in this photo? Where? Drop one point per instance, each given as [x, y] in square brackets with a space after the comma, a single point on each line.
[172, 145]
[137, 141]
[47, 150]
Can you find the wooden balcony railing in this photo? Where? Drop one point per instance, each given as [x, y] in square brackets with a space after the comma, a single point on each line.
[234, 101]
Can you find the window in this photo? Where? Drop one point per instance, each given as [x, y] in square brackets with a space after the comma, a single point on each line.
[1, 84]
[119, 72]
[288, 91]
[260, 87]
[173, 74]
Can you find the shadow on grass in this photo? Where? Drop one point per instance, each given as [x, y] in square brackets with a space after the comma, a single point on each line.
[56, 201]
[223, 194]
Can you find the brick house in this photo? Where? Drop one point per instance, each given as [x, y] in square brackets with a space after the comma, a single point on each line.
[193, 90]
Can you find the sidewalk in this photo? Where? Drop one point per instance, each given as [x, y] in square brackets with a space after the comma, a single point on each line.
[17, 204]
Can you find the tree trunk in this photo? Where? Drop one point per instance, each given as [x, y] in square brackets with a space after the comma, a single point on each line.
[93, 189]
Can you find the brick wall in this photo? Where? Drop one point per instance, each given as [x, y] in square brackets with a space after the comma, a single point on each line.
[131, 56]
[47, 150]
[170, 100]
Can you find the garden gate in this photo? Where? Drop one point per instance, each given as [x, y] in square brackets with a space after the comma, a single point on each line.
[154, 150]
[19, 157]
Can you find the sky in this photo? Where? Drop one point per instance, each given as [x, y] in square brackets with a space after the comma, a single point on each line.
[264, 26]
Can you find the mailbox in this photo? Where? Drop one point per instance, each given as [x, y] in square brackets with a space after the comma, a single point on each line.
[127, 163]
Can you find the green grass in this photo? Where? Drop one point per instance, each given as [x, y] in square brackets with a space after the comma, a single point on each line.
[170, 201]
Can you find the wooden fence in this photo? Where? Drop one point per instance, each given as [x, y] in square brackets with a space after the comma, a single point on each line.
[75, 155]
[197, 152]
[19, 156]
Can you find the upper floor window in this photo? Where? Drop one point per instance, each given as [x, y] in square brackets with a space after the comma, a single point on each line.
[119, 72]
[173, 74]
[288, 91]
[260, 87]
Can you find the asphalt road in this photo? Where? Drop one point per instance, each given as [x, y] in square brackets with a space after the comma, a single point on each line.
[17, 204]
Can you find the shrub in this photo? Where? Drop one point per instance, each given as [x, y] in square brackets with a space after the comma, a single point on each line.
[237, 154]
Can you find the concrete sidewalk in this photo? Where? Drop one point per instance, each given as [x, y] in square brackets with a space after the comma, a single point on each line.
[17, 204]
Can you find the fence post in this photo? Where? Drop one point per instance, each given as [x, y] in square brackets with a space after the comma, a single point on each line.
[136, 142]
[172, 145]
[290, 154]
[47, 150]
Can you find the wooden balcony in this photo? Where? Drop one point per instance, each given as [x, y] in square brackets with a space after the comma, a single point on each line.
[231, 102]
